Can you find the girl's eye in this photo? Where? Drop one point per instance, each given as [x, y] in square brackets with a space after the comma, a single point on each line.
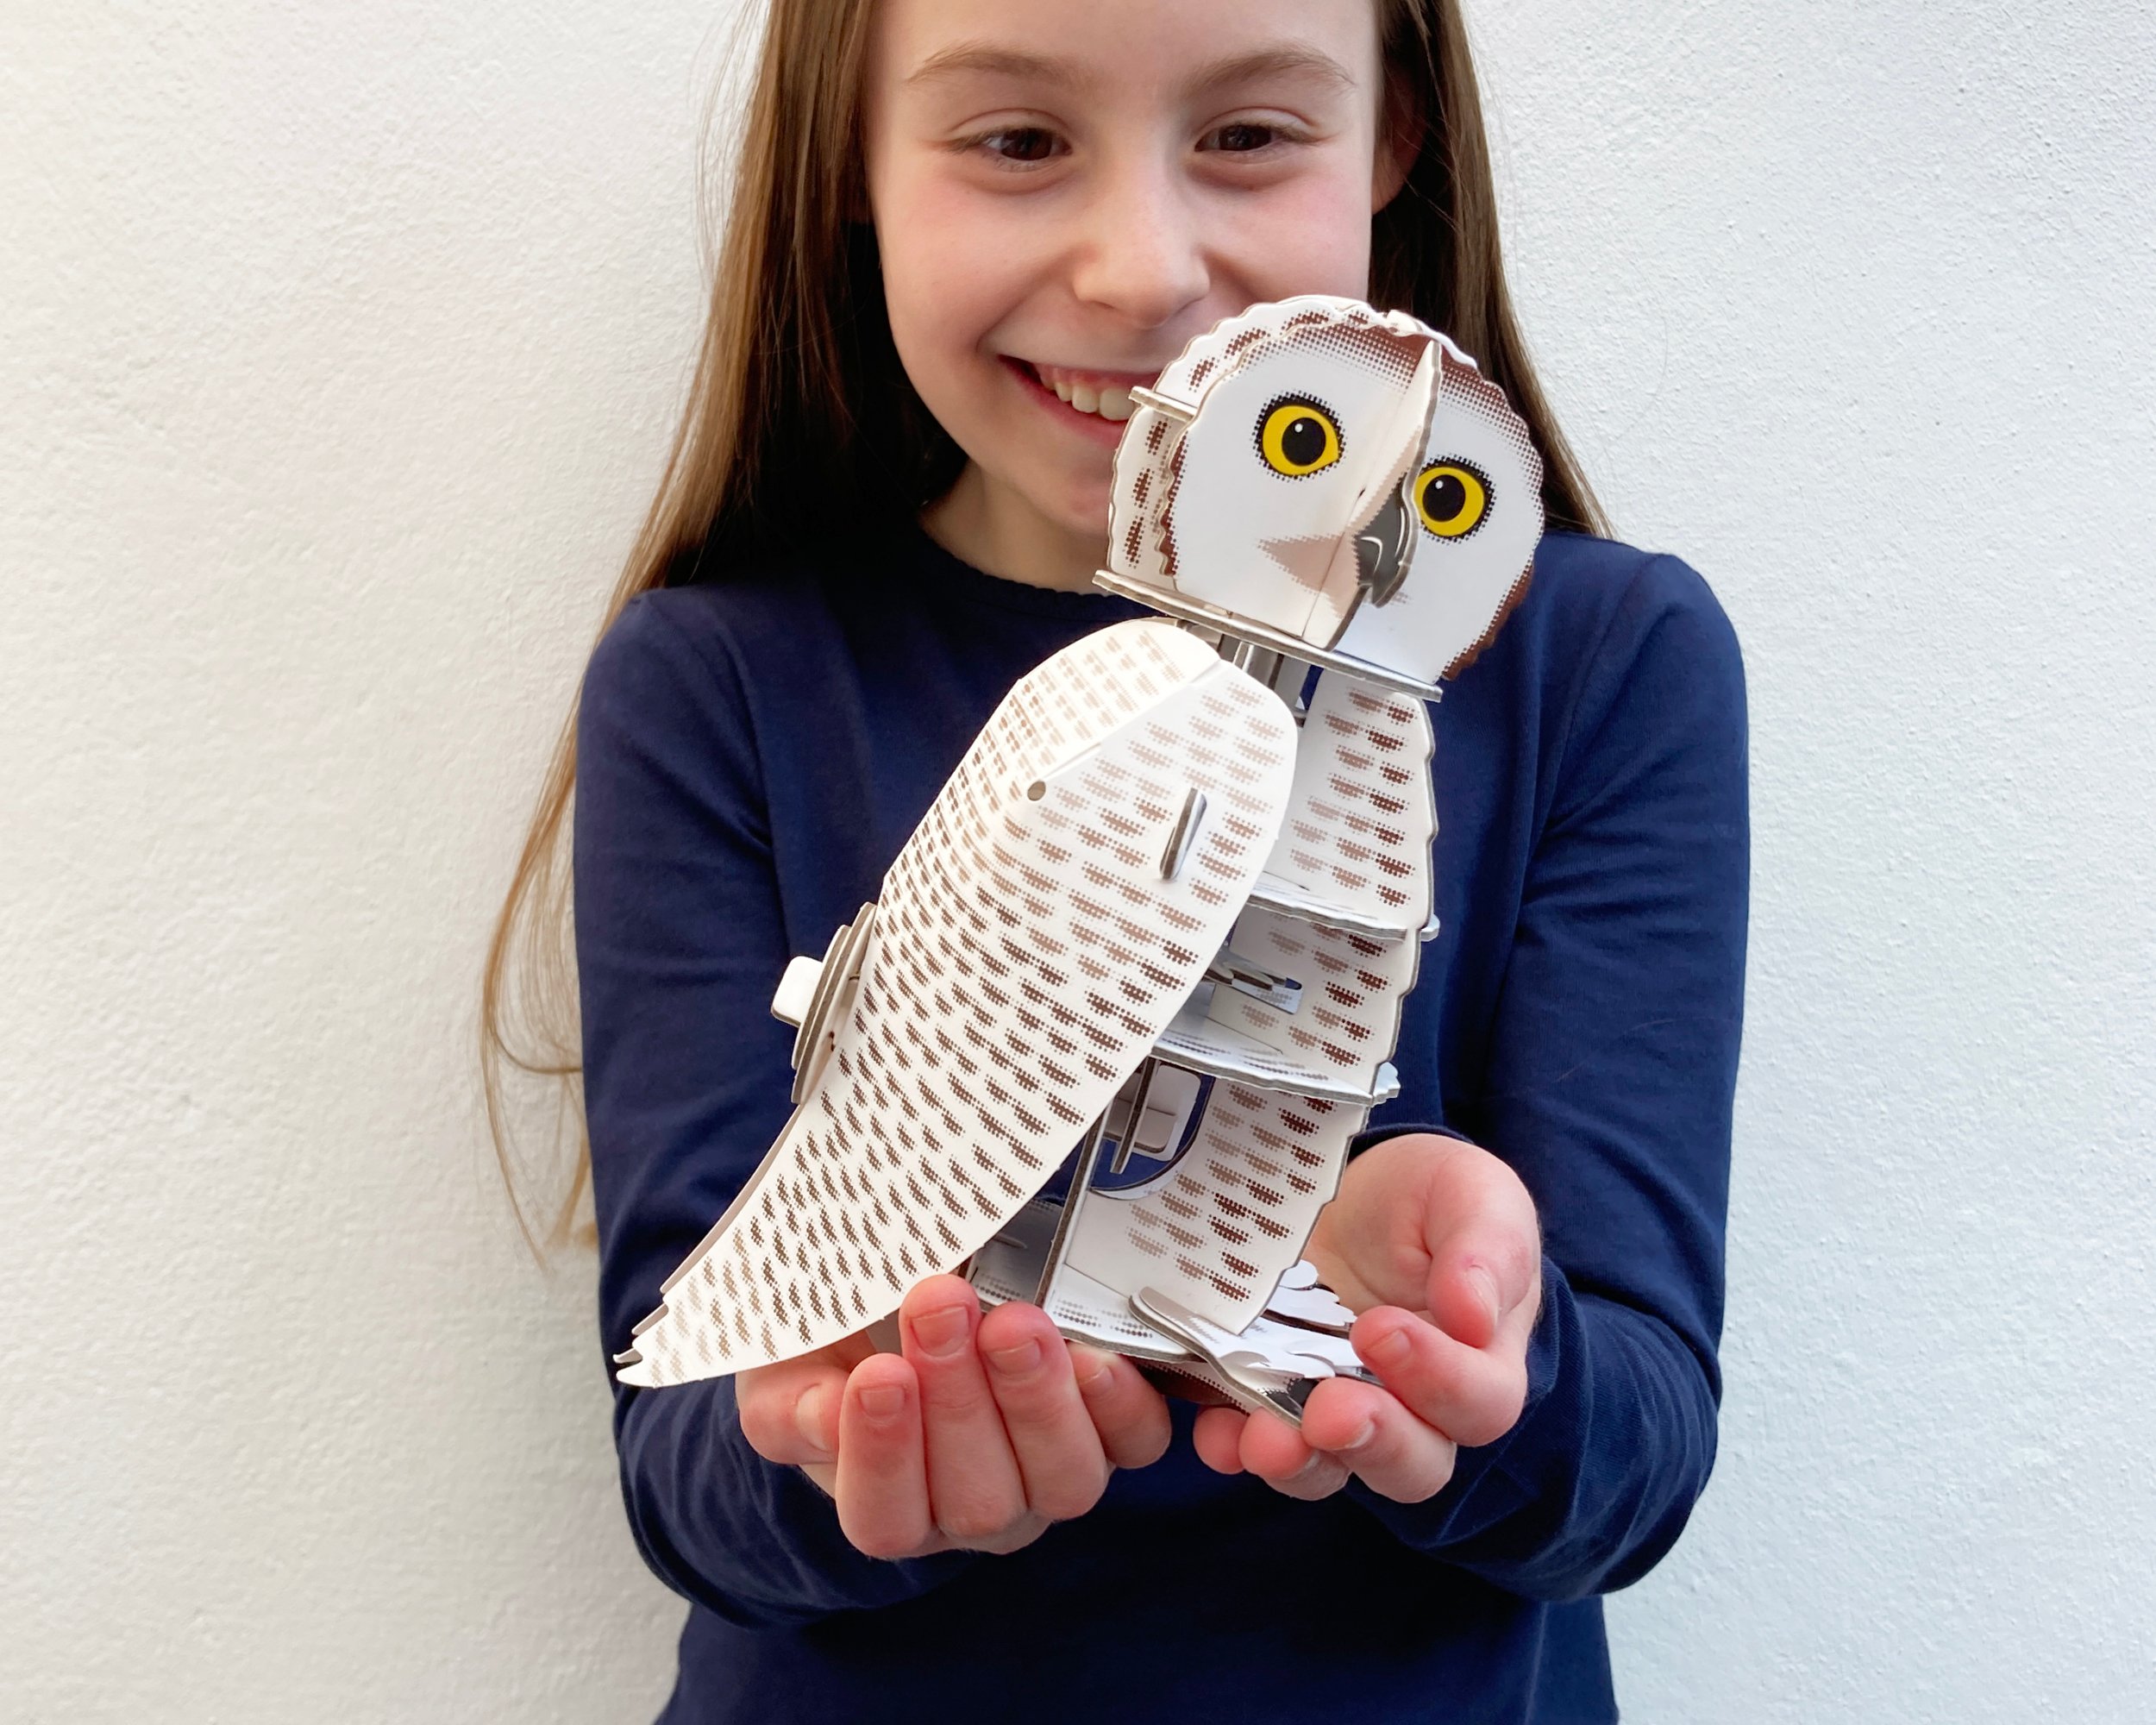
[1022, 144]
[1297, 436]
[1242, 137]
[1452, 497]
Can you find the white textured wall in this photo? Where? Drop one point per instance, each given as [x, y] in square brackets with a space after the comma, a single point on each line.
[341, 342]
[337, 348]
[1851, 305]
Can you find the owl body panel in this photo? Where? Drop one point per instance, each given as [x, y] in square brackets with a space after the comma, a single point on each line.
[1219, 1224]
[1027, 952]
[1338, 916]
[1355, 846]
[1346, 1018]
[1219, 1227]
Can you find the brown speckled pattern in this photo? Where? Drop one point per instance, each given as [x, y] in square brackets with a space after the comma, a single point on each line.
[1026, 954]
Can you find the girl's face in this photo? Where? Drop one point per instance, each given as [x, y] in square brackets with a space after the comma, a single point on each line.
[1066, 191]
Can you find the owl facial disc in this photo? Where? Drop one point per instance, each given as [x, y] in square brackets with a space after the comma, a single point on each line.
[1322, 473]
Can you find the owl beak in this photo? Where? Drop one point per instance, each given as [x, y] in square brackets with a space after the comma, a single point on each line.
[1369, 564]
[1382, 548]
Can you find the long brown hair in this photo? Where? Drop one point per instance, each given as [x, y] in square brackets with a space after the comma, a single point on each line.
[796, 383]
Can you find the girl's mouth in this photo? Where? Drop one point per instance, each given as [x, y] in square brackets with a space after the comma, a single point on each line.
[1101, 396]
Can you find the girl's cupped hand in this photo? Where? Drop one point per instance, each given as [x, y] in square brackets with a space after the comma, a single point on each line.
[980, 1433]
[986, 1429]
[1434, 1244]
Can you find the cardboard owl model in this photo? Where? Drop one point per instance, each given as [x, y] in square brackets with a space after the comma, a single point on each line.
[1133, 983]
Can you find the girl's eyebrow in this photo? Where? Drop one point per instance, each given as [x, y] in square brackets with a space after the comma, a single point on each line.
[1282, 59]
[1273, 60]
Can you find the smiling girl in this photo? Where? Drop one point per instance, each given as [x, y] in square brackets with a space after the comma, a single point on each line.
[962, 232]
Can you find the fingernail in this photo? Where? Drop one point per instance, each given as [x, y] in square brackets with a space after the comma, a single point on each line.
[1094, 1374]
[1486, 1289]
[943, 1332]
[882, 1403]
[1014, 1361]
[808, 1416]
[1390, 1349]
[1364, 1433]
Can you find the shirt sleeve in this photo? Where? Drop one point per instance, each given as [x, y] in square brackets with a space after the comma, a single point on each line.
[680, 938]
[1608, 1088]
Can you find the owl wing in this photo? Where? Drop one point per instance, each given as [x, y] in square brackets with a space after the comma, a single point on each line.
[1055, 908]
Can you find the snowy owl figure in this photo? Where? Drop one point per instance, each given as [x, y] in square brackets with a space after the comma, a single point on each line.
[1148, 947]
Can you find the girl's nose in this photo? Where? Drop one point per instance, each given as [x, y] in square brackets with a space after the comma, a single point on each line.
[1142, 255]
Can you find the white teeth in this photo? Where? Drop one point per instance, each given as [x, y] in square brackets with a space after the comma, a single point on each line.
[1111, 401]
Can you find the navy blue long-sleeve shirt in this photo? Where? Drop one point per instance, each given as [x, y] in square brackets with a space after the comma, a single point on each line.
[754, 751]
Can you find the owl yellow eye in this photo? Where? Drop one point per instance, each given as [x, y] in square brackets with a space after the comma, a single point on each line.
[1452, 498]
[1297, 436]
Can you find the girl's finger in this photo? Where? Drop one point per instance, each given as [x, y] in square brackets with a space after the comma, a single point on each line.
[789, 1412]
[1127, 1412]
[1472, 1396]
[974, 1489]
[1059, 1453]
[881, 1488]
[1276, 1453]
[1385, 1446]
[1217, 1435]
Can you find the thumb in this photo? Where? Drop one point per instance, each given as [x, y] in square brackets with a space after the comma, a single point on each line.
[1485, 1246]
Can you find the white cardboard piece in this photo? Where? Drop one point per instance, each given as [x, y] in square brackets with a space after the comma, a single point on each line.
[1200, 529]
[1025, 953]
[1165, 913]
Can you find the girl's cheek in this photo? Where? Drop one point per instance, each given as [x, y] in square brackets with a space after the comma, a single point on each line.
[951, 253]
[1306, 235]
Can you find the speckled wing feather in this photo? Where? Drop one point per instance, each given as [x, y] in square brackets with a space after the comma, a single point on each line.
[1026, 953]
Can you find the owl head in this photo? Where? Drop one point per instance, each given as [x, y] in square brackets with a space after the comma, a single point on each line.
[1334, 475]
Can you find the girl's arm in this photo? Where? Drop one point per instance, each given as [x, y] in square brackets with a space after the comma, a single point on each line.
[680, 938]
[1608, 1092]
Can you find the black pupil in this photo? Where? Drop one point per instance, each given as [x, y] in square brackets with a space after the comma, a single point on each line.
[1444, 497]
[1303, 442]
[1025, 143]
